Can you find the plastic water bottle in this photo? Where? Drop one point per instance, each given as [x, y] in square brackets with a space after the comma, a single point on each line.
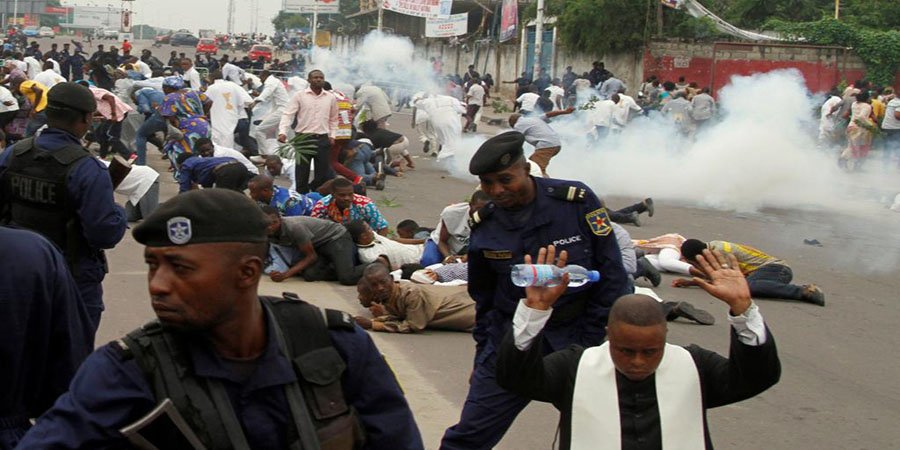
[525, 275]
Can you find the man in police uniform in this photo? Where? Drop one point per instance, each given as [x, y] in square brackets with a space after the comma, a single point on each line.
[243, 371]
[53, 186]
[525, 214]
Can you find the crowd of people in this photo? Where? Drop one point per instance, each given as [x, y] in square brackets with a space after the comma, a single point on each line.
[273, 178]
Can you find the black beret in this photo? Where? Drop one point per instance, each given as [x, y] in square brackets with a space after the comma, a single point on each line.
[203, 216]
[73, 96]
[497, 153]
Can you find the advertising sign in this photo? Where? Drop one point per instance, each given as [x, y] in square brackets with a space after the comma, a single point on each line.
[420, 8]
[509, 19]
[311, 6]
[455, 25]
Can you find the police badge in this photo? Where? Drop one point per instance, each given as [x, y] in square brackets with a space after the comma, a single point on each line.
[179, 229]
[598, 220]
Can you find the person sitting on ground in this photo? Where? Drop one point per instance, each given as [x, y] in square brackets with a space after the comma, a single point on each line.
[411, 308]
[207, 149]
[276, 166]
[288, 203]
[343, 206]
[450, 240]
[316, 249]
[225, 173]
[358, 157]
[371, 247]
[409, 229]
[768, 276]
[620, 378]
[395, 144]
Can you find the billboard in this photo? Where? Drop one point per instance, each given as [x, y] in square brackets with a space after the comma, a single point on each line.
[94, 17]
[311, 6]
[455, 25]
[419, 8]
[509, 20]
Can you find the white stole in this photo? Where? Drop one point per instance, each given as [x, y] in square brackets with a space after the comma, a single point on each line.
[595, 402]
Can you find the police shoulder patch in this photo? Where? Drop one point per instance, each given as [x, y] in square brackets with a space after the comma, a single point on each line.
[598, 221]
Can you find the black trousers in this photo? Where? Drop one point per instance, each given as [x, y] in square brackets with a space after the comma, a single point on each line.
[249, 145]
[324, 172]
[621, 215]
[232, 176]
[336, 262]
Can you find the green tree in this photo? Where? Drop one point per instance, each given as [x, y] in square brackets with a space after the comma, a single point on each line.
[287, 21]
[602, 26]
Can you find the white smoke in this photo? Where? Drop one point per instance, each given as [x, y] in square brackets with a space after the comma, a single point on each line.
[761, 153]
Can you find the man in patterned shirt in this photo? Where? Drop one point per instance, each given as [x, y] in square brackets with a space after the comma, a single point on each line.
[289, 203]
[343, 207]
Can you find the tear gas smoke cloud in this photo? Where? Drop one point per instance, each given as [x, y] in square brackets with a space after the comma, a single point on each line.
[387, 61]
[762, 152]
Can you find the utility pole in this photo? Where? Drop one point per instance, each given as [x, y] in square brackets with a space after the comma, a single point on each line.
[16, 12]
[230, 26]
[380, 14]
[837, 9]
[538, 39]
[315, 24]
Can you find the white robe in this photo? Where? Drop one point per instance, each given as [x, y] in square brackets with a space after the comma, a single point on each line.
[228, 102]
[444, 113]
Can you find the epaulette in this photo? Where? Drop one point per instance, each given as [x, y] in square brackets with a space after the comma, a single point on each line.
[120, 346]
[481, 215]
[121, 349]
[339, 320]
[567, 193]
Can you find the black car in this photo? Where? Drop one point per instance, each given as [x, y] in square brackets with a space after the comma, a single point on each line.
[183, 39]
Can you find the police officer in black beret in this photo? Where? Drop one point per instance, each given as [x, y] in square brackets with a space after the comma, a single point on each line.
[243, 371]
[525, 214]
[52, 185]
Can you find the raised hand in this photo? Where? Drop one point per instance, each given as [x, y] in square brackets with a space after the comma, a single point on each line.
[724, 280]
[543, 298]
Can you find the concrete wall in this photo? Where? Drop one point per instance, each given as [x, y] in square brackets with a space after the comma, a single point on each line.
[709, 64]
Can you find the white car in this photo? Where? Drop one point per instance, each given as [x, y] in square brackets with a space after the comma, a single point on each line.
[46, 32]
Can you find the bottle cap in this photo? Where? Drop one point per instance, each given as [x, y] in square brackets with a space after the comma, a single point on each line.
[593, 276]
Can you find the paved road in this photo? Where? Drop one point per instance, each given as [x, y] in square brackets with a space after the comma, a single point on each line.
[839, 387]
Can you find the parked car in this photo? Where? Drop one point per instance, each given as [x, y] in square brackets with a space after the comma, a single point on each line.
[107, 33]
[183, 39]
[260, 50]
[46, 32]
[208, 46]
[31, 31]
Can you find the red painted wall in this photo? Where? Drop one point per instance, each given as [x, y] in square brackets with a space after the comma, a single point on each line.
[716, 72]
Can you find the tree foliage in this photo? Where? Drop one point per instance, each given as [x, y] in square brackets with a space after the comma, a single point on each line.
[602, 26]
[879, 50]
[289, 21]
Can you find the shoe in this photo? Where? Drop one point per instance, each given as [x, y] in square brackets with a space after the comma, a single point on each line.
[688, 311]
[648, 205]
[649, 272]
[635, 218]
[812, 294]
[379, 182]
[427, 147]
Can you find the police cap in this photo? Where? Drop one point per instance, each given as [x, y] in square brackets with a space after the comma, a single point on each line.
[71, 96]
[203, 216]
[497, 153]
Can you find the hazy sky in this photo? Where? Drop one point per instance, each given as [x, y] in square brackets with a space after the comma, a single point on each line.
[196, 14]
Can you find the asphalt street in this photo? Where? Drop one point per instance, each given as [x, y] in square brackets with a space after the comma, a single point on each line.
[839, 387]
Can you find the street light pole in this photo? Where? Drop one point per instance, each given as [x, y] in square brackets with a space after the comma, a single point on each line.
[538, 39]
[380, 14]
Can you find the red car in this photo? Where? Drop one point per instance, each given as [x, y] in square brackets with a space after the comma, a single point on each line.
[260, 50]
[207, 46]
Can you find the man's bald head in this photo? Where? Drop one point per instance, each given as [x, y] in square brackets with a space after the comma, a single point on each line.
[260, 182]
[637, 309]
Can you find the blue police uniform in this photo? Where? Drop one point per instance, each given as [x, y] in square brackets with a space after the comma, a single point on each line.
[103, 222]
[109, 393]
[200, 171]
[47, 331]
[568, 215]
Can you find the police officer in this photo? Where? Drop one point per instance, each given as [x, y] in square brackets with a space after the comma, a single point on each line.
[47, 332]
[242, 371]
[525, 214]
[52, 185]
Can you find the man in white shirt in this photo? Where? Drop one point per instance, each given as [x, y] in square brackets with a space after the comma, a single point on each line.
[191, 76]
[370, 246]
[444, 113]
[703, 108]
[9, 107]
[538, 133]
[48, 77]
[32, 67]
[828, 116]
[141, 188]
[621, 379]
[377, 102]
[207, 149]
[625, 107]
[527, 101]
[277, 166]
[474, 102]
[557, 94]
[228, 107]
[890, 126]
[142, 67]
[275, 98]
[600, 118]
[232, 73]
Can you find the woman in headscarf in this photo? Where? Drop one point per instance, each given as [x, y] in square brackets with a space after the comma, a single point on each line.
[859, 132]
[186, 110]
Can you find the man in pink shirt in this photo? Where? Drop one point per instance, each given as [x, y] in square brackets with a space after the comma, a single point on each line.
[111, 111]
[316, 111]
